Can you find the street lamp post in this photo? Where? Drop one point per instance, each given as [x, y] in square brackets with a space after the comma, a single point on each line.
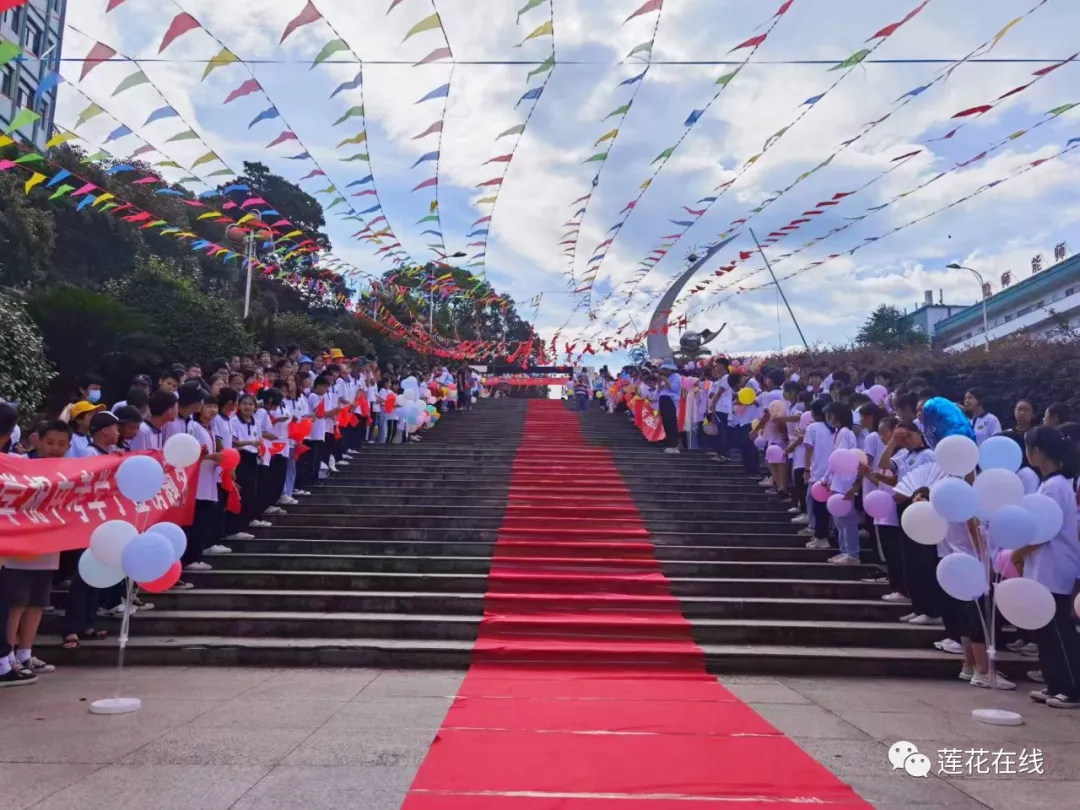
[982, 295]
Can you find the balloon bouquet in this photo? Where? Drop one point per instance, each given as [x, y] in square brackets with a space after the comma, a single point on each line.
[146, 556]
[997, 499]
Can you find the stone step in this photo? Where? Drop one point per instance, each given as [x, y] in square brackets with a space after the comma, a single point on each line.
[412, 582]
[749, 550]
[431, 654]
[715, 607]
[594, 627]
[488, 539]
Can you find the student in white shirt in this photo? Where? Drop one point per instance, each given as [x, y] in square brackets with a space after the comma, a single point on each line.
[818, 441]
[163, 410]
[206, 530]
[79, 419]
[838, 415]
[720, 406]
[247, 438]
[322, 405]
[983, 423]
[295, 404]
[274, 458]
[1056, 564]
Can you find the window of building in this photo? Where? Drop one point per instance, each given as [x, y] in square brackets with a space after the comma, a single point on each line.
[45, 111]
[7, 80]
[1008, 318]
[35, 38]
[1040, 304]
[1024, 311]
[14, 19]
[1071, 291]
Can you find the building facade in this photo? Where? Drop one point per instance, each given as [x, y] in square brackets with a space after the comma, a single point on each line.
[1045, 304]
[38, 28]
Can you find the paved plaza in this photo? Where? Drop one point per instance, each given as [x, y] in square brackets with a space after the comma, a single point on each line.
[262, 739]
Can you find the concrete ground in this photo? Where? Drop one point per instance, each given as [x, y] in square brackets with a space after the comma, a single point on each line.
[322, 739]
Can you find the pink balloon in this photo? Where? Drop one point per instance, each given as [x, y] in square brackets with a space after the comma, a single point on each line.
[775, 454]
[879, 504]
[844, 462]
[819, 492]
[1003, 564]
[761, 442]
[838, 505]
[877, 393]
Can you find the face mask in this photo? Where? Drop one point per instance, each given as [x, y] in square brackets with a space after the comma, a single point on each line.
[93, 397]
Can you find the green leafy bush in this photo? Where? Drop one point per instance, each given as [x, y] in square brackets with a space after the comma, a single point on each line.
[25, 371]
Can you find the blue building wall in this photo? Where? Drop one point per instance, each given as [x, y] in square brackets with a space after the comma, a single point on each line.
[38, 28]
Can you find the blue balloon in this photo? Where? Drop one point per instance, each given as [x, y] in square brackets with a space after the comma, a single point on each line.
[175, 535]
[962, 577]
[943, 418]
[1000, 453]
[954, 499]
[1012, 527]
[147, 557]
[97, 574]
[140, 478]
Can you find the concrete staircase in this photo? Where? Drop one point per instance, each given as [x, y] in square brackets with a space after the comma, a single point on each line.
[386, 565]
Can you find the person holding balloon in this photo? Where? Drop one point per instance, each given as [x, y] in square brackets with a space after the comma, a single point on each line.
[1056, 565]
[207, 527]
[843, 472]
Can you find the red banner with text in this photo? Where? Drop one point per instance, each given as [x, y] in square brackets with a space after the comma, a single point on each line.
[49, 505]
[491, 381]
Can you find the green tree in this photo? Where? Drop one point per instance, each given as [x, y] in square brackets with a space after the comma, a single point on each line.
[27, 235]
[193, 325]
[888, 328]
[25, 370]
[87, 331]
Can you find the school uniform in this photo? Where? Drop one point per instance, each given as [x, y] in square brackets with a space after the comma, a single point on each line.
[273, 465]
[148, 438]
[246, 474]
[820, 439]
[208, 525]
[985, 427]
[317, 441]
[297, 410]
[920, 561]
[741, 422]
[668, 405]
[80, 447]
[1056, 564]
[847, 526]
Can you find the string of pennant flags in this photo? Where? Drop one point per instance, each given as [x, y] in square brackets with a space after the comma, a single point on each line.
[124, 147]
[569, 243]
[492, 188]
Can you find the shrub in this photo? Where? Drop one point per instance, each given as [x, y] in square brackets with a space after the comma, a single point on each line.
[25, 371]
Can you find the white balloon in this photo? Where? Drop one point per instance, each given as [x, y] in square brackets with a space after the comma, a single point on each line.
[957, 455]
[1025, 603]
[108, 541]
[962, 577]
[96, 574]
[409, 395]
[997, 488]
[923, 525]
[182, 450]
[1030, 479]
[1048, 515]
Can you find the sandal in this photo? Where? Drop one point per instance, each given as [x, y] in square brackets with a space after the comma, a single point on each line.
[94, 635]
[71, 642]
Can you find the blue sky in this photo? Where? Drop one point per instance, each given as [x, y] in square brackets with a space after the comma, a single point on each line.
[1000, 230]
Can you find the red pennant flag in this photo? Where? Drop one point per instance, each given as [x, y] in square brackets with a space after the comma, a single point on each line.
[494, 182]
[753, 42]
[436, 127]
[112, 4]
[811, 213]
[745, 254]
[652, 5]
[889, 30]
[1013, 92]
[246, 89]
[435, 56]
[287, 135]
[427, 183]
[499, 159]
[982, 108]
[98, 54]
[298, 431]
[309, 15]
[180, 25]
[783, 9]
[902, 157]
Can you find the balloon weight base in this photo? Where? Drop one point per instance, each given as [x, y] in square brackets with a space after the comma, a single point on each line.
[997, 717]
[120, 705]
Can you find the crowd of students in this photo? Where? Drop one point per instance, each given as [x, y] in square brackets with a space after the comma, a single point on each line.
[792, 419]
[291, 418]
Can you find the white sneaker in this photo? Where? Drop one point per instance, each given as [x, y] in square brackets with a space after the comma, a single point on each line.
[198, 566]
[927, 621]
[672, 451]
[846, 559]
[261, 524]
[966, 675]
[118, 611]
[949, 646]
[240, 536]
[896, 599]
[818, 543]
[274, 510]
[285, 500]
[805, 532]
[218, 549]
[339, 464]
[908, 617]
[794, 511]
[301, 492]
[999, 681]
[766, 481]
[801, 519]
[1030, 650]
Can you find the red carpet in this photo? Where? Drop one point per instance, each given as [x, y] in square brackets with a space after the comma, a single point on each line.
[587, 691]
